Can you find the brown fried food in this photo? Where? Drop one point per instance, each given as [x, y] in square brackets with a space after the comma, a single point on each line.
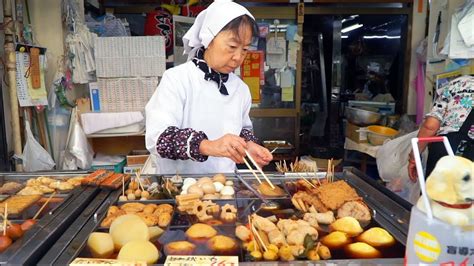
[112, 210]
[333, 195]
[149, 209]
[133, 207]
[356, 209]
[310, 200]
[149, 219]
[164, 219]
[165, 208]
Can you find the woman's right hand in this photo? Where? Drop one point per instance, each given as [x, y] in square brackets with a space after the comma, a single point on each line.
[412, 168]
[230, 146]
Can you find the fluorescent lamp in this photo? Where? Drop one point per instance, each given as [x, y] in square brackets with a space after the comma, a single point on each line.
[344, 36]
[381, 37]
[352, 27]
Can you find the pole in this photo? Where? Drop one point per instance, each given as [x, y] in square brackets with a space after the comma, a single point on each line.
[11, 77]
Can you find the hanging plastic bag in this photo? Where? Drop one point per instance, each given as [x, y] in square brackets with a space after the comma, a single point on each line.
[392, 164]
[35, 157]
[78, 150]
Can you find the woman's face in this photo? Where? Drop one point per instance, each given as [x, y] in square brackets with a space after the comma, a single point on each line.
[227, 51]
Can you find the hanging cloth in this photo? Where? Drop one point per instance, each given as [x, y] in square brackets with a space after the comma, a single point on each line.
[209, 23]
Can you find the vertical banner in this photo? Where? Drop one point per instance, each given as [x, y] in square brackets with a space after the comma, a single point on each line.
[252, 73]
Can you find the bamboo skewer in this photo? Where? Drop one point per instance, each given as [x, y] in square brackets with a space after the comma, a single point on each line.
[123, 185]
[251, 170]
[260, 170]
[255, 246]
[306, 180]
[258, 237]
[5, 219]
[44, 205]
[140, 185]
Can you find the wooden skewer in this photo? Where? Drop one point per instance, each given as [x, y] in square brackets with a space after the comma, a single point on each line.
[5, 219]
[251, 170]
[255, 246]
[123, 185]
[260, 170]
[306, 180]
[137, 175]
[259, 238]
[44, 205]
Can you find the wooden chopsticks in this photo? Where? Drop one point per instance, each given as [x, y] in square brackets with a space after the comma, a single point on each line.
[258, 168]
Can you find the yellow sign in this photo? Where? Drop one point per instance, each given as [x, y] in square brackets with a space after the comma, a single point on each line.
[427, 247]
[202, 260]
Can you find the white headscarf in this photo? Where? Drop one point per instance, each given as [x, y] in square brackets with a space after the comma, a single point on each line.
[209, 23]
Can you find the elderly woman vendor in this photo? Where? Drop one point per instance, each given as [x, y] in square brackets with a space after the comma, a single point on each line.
[197, 121]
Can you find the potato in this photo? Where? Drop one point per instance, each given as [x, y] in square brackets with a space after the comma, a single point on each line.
[348, 225]
[324, 252]
[336, 240]
[100, 245]
[313, 255]
[129, 228]
[155, 232]
[270, 255]
[286, 253]
[256, 255]
[139, 250]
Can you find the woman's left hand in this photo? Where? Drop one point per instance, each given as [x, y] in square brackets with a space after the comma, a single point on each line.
[261, 155]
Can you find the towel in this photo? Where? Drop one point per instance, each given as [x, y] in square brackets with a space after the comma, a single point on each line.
[95, 122]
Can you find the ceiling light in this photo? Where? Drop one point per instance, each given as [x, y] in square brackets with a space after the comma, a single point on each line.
[352, 27]
[381, 37]
[344, 36]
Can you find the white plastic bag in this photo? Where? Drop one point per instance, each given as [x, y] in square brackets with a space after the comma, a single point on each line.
[35, 157]
[80, 148]
[392, 164]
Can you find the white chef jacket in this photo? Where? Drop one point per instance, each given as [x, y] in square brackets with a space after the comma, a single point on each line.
[186, 100]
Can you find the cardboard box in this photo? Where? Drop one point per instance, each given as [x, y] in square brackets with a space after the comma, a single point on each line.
[354, 133]
[137, 157]
[117, 168]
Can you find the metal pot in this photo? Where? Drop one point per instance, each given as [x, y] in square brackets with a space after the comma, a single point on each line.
[362, 117]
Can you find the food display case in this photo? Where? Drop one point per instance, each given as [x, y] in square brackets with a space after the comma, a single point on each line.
[39, 206]
[179, 222]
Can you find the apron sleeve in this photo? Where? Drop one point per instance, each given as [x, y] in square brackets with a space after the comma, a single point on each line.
[164, 114]
[247, 128]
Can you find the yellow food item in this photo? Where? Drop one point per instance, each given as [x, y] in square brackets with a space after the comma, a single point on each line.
[348, 225]
[336, 240]
[286, 253]
[377, 237]
[361, 250]
[324, 252]
[222, 245]
[251, 245]
[270, 255]
[273, 247]
[128, 228]
[139, 250]
[155, 232]
[100, 245]
[179, 248]
[256, 255]
[313, 255]
[200, 233]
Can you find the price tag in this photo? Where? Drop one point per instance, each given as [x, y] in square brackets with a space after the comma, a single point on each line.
[202, 260]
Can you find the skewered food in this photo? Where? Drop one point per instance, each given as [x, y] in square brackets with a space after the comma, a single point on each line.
[14, 231]
[10, 188]
[100, 245]
[377, 237]
[243, 233]
[27, 224]
[139, 250]
[348, 225]
[5, 242]
[200, 233]
[360, 250]
[17, 204]
[179, 248]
